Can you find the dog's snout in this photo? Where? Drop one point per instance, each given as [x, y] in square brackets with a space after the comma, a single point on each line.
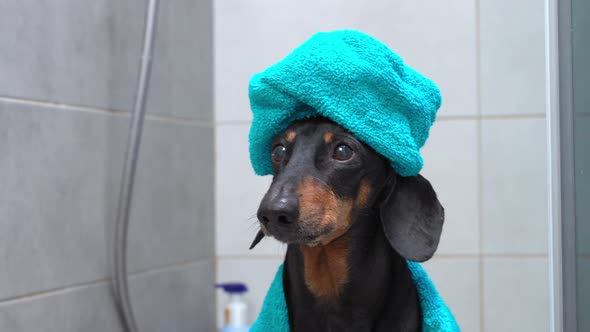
[281, 209]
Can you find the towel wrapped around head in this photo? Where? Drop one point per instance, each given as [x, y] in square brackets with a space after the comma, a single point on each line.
[357, 82]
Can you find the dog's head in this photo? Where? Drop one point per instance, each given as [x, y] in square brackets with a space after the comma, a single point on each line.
[324, 178]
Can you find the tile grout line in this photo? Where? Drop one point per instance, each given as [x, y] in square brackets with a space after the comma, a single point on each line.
[516, 256]
[83, 285]
[439, 118]
[178, 265]
[180, 121]
[254, 257]
[188, 121]
[479, 163]
[232, 122]
[436, 256]
[511, 116]
[104, 111]
[66, 107]
[50, 292]
[491, 116]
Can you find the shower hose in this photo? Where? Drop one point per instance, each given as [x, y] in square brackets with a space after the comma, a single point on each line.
[119, 274]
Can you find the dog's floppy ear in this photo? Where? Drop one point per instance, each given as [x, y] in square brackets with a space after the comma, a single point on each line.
[412, 217]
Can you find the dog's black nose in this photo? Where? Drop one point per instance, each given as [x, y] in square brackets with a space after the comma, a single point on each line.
[281, 209]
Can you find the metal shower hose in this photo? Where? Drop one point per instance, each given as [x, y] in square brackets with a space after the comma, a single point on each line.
[120, 278]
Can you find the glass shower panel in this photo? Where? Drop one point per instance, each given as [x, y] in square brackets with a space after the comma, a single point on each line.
[581, 117]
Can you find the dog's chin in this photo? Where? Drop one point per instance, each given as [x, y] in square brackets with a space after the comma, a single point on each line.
[300, 237]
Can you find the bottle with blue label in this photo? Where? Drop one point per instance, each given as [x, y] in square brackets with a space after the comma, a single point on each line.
[236, 311]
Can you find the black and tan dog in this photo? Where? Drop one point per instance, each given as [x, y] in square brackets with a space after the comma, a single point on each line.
[350, 224]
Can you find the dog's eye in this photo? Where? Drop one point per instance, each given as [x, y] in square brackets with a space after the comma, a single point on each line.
[278, 153]
[342, 152]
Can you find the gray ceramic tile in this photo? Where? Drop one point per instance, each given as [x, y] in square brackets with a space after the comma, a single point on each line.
[516, 294]
[179, 299]
[52, 191]
[75, 52]
[512, 56]
[437, 38]
[457, 280]
[583, 293]
[256, 273]
[89, 54]
[582, 178]
[182, 83]
[172, 216]
[514, 186]
[88, 309]
[450, 163]
[59, 189]
[238, 194]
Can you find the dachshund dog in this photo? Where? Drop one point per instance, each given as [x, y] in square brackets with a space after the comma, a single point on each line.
[350, 223]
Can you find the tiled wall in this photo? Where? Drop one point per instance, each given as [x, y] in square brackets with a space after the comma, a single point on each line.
[486, 155]
[69, 71]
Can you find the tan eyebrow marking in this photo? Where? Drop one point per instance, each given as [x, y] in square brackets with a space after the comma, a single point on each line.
[328, 137]
[291, 136]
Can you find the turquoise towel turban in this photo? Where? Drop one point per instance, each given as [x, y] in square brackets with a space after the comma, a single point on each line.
[357, 82]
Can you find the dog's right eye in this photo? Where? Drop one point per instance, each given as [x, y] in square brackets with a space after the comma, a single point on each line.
[343, 152]
[278, 153]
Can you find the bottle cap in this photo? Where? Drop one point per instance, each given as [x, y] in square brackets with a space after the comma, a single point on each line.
[233, 287]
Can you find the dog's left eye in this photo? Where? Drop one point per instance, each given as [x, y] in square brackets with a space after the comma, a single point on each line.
[342, 152]
[278, 153]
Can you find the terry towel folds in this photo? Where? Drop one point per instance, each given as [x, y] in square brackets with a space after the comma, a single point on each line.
[354, 80]
[436, 316]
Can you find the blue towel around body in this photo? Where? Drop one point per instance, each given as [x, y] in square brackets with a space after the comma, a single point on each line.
[436, 316]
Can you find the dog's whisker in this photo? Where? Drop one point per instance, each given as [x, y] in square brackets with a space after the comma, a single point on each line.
[254, 226]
